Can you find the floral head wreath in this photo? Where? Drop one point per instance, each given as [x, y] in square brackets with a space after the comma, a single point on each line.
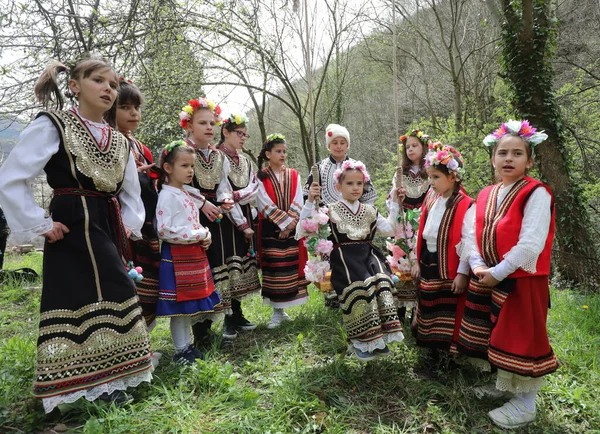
[126, 80]
[273, 137]
[423, 138]
[185, 115]
[445, 155]
[170, 146]
[237, 119]
[352, 165]
[517, 128]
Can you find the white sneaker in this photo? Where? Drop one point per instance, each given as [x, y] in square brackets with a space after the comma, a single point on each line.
[279, 316]
[155, 358]
[489, 391]
[512, 414]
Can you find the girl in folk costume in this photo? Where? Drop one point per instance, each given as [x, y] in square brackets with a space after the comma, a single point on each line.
[510, 250]
[443, 277]
[337, 139]
[93, 341]
[243, 268]
[282, 257]
[126, 116]
[187, 291]
[360, 275]
[415, 184]
[200, 118]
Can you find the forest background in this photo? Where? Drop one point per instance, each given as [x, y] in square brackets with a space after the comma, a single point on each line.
[463, 67]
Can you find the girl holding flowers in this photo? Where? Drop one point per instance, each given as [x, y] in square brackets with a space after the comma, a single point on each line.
[509, 250]
[360, 275]
[415, 185]
[442, 276]
[282, 257]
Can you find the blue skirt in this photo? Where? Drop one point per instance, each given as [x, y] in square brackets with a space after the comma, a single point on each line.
[168, 306]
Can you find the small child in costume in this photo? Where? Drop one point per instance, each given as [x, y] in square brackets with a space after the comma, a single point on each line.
[126, 114]
[442, 276]
[360, 275]
[509, 250]
[187, 292]
[337, 139]
[282, 257]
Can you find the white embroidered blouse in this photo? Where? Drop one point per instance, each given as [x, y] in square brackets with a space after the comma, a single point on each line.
[177, 218]
[37, 143]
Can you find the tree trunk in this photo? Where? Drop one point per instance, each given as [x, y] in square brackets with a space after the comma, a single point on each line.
[528, 44]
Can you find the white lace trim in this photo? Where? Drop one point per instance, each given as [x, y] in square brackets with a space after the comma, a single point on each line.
[285, 304]
[93, 393]
[523, 258]
[379, 343]
[515, 383]
[27, 235]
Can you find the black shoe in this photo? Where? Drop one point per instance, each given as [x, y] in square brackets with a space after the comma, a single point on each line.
[332, 303]
[118, 397]
[243, 324]
[207, 341]
[229, 329]
[188, 356]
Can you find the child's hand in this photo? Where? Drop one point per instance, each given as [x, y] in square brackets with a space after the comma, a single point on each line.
[478, 270]
[144, 167]
[227, 205]
[205, 243]
[284, 234]
[291, 226]
[399, 195]
[248, 234]
[415, 272]
[211, 211]
[459, 284]
[486, 278]
[314, 191]
[57, 233]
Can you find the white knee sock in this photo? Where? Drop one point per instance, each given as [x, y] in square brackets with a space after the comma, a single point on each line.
[180, 331]
[528, 399]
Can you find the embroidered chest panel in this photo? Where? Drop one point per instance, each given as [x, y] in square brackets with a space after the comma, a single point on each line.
[329, 193]
[239, 174]
[208, 173]
[105, 168]
[355, 226]
[415, 186]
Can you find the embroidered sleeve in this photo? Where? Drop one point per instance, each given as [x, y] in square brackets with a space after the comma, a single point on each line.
[224, 190]
[269, 210]
[197, 197]
[470, 250]
[130, 197]
[248, 193]
[237, 217]
[387, 226]
[37, 144]
[369, 194]
[297, 202]
[534, 231]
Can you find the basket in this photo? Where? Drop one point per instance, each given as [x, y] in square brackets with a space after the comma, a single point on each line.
[325, 285]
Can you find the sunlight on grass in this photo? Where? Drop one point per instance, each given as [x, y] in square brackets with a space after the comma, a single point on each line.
[297, 379]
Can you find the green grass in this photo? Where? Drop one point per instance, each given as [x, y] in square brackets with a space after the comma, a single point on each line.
[296, 379]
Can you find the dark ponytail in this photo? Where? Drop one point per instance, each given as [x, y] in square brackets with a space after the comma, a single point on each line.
[454, 195]
[272, 140]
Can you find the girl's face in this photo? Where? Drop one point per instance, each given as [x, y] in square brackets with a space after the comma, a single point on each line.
[129, 116]
[352, 185]
[414, 149]
[235, 139]
[338, 147]
[441, 182]
[97, 92]
[277, 155]
[202, 127]
[181, 170]
[511, 160]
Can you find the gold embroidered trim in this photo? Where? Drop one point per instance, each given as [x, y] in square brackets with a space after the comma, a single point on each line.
[66, 313]
[355, 226]
[79, 330]
[105, 168]
[239, 175]
[208, 173]
[415, 187]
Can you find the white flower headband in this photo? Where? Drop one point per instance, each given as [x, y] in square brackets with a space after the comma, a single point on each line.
[352, 165]
[521, 128]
